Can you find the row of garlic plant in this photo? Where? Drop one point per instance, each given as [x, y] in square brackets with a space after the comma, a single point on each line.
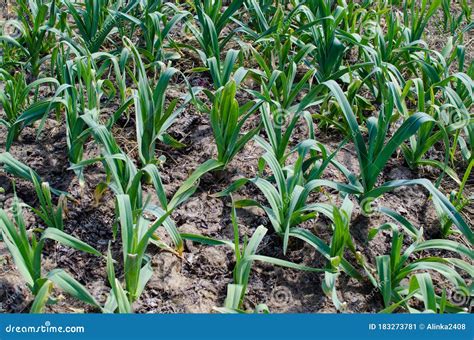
[399, 95]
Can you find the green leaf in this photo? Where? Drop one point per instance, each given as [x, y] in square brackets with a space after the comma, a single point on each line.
[441, 202]
[385, 279]
[68, 240]
[427, 291]
[234, 292]
[209, 241]
[72, 287]
[42, 298]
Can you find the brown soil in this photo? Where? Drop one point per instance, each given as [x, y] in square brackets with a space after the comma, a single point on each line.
[197, 282]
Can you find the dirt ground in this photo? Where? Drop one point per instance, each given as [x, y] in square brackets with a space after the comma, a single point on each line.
[197, 282]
